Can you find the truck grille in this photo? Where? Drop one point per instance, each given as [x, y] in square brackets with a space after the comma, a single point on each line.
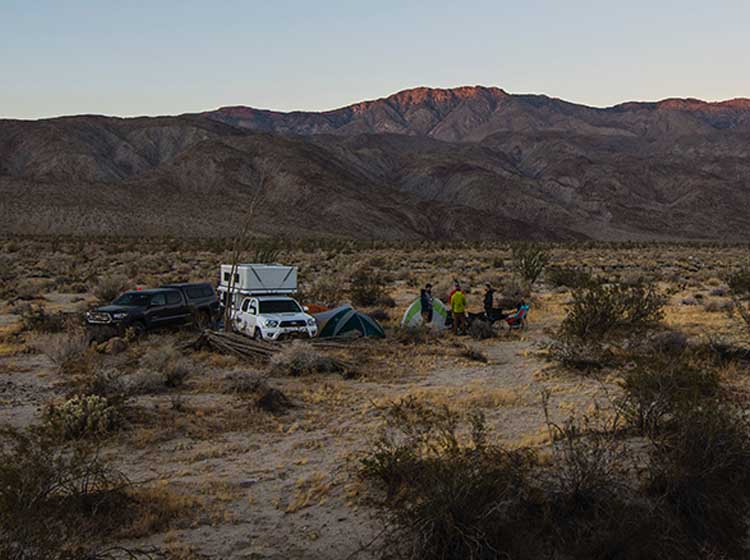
[299, 323]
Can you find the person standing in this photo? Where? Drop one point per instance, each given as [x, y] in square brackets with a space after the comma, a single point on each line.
[458, 309]
[489, 302]
[425, 302]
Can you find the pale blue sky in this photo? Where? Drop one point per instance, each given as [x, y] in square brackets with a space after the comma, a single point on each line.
[169, 57]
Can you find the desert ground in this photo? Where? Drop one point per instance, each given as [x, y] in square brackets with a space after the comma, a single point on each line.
[218, 472]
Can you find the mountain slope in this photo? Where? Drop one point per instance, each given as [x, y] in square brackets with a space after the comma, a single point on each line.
[470, 163]
[469, 114]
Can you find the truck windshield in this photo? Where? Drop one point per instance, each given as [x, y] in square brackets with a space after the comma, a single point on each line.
[134, 299]
[279, 306]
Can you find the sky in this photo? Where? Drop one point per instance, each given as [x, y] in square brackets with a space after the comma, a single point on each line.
[158, 57]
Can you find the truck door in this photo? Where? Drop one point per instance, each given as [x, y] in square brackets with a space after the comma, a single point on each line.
[251, 315]
[157, 311]
[176, 310]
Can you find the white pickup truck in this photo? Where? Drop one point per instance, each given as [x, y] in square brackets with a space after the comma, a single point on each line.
[261, 302]
[272, 317]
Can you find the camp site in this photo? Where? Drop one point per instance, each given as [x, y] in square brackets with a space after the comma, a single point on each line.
[289, 399]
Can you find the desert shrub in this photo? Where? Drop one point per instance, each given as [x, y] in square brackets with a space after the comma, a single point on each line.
[386, 301]
[700, 470]
[739, 281]
[658, 391]
[481, 330]
[568, 277]
[474, 354]
[451, 500]
[62, 348]
[529, 261]
[60, 502]
[88, 416]
[302, 358]
[110, 286]
[268, 252]
[169, 363]
[366, 287]
[599, 310]
[35, 318]
[324, 291]
[581, 354]
[512, 292]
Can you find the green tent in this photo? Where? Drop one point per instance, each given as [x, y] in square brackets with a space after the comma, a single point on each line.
[345, 321]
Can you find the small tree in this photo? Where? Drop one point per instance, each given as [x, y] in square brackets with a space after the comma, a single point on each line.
[529, 261]
[266, 172]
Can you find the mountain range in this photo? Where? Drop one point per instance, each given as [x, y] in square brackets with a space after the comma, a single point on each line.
[462, 163]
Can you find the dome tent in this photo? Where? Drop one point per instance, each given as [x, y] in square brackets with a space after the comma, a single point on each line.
[344, 321]
[413, 315]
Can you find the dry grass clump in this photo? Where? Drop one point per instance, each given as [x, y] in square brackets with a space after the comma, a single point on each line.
[36, 318]
[256, 390]
[110, 286]
[171, 367]
[62, 348]
[302, 358]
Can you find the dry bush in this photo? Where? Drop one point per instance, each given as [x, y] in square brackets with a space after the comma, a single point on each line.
[700, 470]
[599, 310]
[366, 287]
[660, 389]
[302, 358]
[568, 277]
[56, 503]
[110, 286]
[35, 318]
[449, 500]
[421, 334]
[169, 363]
[62, 348]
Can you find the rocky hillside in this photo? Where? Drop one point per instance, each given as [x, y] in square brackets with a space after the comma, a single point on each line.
[473, 163]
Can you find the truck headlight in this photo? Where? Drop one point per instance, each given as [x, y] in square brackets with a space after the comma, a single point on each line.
[271, 323]
[119, 316]
[311, 322]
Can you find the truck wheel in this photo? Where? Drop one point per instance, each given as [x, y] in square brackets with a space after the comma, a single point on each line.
[202, 320]
[257, 335]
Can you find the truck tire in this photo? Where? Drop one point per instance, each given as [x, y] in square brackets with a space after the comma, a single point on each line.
[140, 328]
[257, 335]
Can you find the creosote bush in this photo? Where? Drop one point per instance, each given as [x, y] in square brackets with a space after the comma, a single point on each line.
[569, 277]
[110, 286]
[529, 261]
[599, 310]
[449, 491]
[366, 287]
[55, 502]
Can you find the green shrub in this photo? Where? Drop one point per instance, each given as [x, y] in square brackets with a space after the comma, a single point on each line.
[87, 416]
[659, 391]
[529, 261]
[700, 470]
[110, 286]
[451, 500]
[568, 277]
[367, 287]
[35, 318]
[600, 310]
[56, 503]
[739, 281]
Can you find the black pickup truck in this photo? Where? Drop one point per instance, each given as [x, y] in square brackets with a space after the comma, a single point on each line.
[170, 305]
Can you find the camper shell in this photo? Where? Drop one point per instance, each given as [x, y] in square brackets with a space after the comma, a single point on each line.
[260, 301]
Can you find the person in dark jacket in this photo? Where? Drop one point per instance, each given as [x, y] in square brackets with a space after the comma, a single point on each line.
[489, 301]
[425, 301]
